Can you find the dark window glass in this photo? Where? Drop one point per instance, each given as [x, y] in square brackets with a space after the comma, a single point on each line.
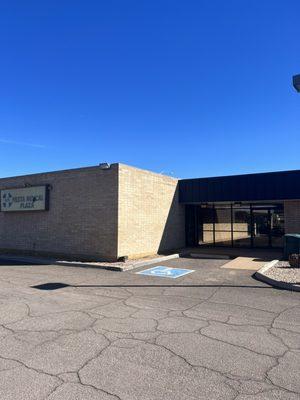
[206, 228]
[223, 226]
[241, 226]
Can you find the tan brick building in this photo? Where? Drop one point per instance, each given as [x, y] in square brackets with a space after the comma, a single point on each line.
[111, 211]
[96, 213]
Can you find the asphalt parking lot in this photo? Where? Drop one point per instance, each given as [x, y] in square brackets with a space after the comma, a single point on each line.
[72, 333]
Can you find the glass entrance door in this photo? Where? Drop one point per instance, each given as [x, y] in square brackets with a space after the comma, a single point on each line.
[268, 227]
[277, 228]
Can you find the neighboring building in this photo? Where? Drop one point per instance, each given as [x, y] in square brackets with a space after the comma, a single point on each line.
[108, 212]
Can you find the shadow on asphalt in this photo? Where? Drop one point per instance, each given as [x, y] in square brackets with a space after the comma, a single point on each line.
[11, 262]
[60, 285]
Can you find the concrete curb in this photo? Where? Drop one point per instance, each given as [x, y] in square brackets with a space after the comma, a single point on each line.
[145, 263]
[118, 267]
[261, 276]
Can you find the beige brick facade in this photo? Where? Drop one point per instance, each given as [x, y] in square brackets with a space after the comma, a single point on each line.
[150, 218]
[97, 214]
[104, 214]
[81, 221]
[292, 216]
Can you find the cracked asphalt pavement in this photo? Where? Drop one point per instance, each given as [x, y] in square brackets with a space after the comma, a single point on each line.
[212, 334]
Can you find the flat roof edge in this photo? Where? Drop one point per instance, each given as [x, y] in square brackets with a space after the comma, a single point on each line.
[240, 175]
[91, 168]
[148, 171]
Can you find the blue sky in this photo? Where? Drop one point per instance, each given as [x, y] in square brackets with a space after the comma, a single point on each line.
[190, 88]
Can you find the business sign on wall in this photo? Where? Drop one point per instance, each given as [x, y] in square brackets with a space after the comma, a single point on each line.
[33, 198]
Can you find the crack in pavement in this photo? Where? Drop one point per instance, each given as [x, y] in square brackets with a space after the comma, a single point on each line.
[146, 318]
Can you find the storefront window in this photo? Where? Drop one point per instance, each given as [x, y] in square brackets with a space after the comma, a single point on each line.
[223, 231]
[240, 225]
[206, 231]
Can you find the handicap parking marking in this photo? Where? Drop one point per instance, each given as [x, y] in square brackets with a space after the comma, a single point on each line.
[165, 272]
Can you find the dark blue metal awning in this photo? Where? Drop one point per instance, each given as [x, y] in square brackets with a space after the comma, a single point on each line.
[268, 186]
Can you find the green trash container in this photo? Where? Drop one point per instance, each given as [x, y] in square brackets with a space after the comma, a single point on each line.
[291, 244]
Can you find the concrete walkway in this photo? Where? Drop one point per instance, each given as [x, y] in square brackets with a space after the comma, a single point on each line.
[259, 254]
[249, 263]
[70, 333]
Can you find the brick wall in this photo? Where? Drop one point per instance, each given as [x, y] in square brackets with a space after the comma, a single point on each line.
[81, 221]
[150, 219]
[292, 216]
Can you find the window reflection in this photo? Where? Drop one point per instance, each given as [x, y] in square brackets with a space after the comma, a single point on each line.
[241, 225]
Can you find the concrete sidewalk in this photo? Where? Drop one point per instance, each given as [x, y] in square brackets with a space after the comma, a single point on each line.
[262, 254]
[248, 263]
[112, 266]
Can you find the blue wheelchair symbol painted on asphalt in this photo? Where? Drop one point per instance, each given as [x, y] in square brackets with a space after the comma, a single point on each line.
[165, 272]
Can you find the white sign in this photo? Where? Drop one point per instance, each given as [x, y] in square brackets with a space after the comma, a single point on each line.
[33, 198]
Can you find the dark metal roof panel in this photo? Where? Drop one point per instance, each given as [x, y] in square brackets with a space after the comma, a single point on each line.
[283, 185]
